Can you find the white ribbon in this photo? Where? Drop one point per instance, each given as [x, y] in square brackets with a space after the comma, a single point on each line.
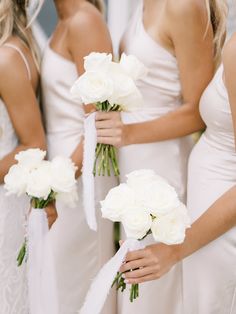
[41, 277]
[101, 285]
[90, 142]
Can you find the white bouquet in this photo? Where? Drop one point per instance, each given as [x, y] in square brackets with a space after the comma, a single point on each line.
[111, 87]
[43, 181]
[146, 204]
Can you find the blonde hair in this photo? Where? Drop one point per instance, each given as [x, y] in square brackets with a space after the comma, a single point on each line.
[217, 14]
[99, 4]
[13, 22]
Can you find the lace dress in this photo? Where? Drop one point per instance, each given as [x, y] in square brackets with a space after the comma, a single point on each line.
[13, 292]
[13, 283]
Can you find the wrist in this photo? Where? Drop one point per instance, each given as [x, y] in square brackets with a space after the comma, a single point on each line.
[127, 134]
[178, 252]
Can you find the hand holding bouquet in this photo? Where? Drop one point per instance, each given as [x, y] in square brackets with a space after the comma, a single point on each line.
[145, 204]
[111, 87]
[43, 181]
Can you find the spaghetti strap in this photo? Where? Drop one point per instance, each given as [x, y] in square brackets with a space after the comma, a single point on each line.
[22, 56]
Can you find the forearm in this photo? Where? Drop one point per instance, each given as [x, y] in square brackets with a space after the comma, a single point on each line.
[217, 220]
[77, 157]
[175, 124]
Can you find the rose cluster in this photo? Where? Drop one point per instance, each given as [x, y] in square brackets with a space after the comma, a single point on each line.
[146, 204]
[39, 178]
[108, 81]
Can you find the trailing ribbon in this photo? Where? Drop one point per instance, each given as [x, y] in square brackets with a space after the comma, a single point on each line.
[101, 285]
[90, 142]
[41, 274]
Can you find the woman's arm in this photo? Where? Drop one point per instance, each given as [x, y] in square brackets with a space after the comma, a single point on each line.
[87, 33]
[19, 97]
[158, 259]
[187, 25]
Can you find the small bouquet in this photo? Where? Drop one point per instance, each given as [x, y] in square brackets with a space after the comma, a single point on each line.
[145, 204]
[43, 181]
[111, 87]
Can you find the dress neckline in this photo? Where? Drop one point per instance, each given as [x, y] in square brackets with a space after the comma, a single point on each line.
[59, 56]
[149, 37]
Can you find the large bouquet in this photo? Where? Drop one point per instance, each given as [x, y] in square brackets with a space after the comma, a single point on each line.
[145, 204]
[111, 86]
[44, 182]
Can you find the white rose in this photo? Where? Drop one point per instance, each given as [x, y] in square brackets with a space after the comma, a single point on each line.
[116, 202]
[158, 197]
[92, 87]
[70, 199]
[170, 229]
[62, 175]
[16, 180]
[133, 67]
[96, 61]
[137, 222]
[39, 181]
[30, 158]
[125, 93]
[140, 178]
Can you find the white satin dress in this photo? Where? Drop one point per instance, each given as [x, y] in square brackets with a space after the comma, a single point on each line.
[210, 274]
[13, 281]
[161, 90]
[79, 252]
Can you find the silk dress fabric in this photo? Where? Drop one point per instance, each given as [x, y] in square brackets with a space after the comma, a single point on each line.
[210, 274]
[79, 252]
[161, 90]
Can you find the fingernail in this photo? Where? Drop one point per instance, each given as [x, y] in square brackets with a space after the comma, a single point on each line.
[126, 281]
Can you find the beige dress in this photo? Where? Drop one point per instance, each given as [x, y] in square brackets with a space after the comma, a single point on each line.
[79, 252]
[161, 90]
[210, 274]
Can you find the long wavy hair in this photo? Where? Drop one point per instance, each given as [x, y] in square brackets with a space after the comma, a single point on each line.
[14, 22]
[217, 14]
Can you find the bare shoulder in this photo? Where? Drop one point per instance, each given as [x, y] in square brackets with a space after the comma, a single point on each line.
[185, 10]
[87, 21]
[229, 52]
[10, 65]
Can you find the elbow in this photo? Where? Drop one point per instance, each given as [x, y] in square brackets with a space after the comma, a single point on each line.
[195, 118]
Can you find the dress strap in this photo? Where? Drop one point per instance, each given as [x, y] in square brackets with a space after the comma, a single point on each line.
[22, 56]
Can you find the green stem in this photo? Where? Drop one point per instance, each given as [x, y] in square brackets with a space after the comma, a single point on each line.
[22, 254]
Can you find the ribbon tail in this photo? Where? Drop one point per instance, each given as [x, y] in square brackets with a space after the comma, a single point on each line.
[90, 142]
[41, 277]
[101, 285]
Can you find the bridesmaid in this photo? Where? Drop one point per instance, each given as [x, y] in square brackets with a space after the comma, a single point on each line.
[79, 252]
[179, 45]
[20, 129]
[210, 272]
